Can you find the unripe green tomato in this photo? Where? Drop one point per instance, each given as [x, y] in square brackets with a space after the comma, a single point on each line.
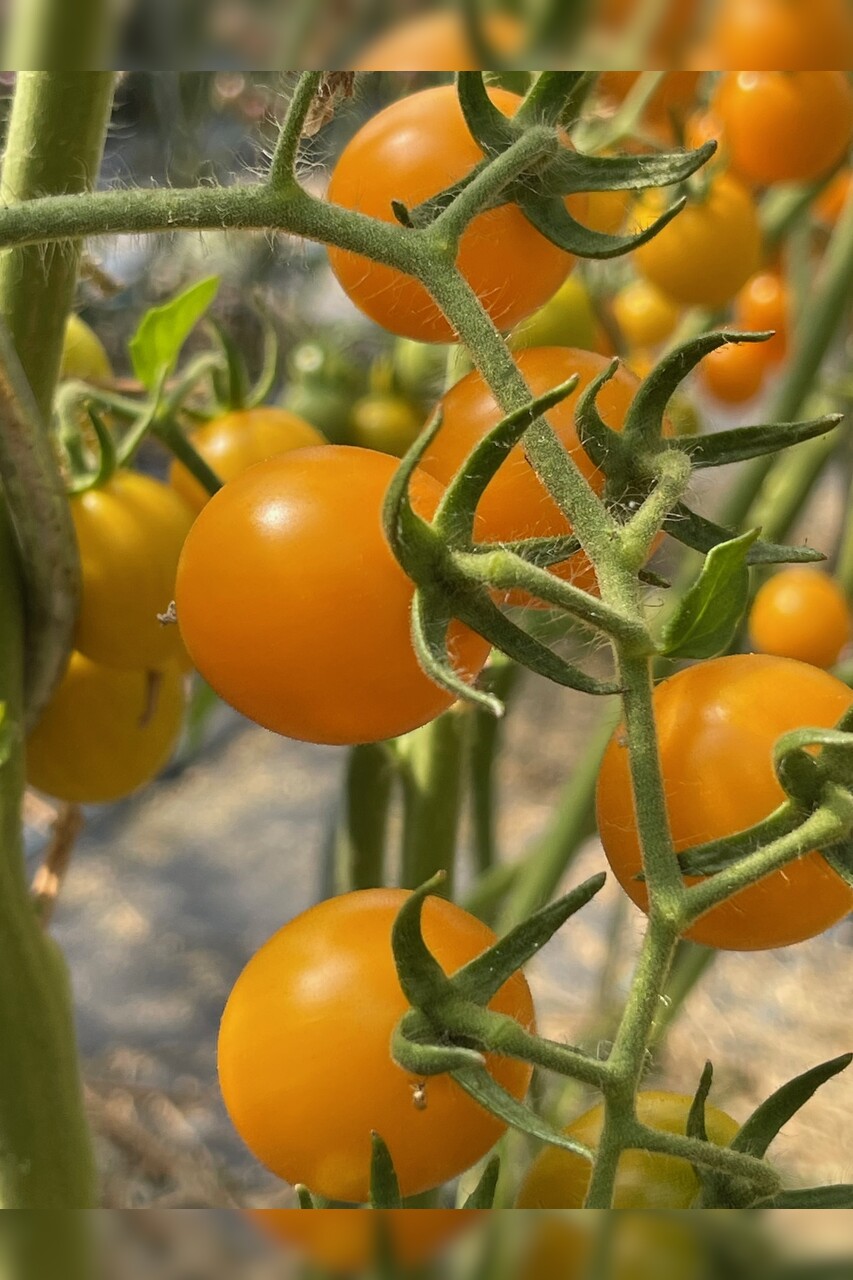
[387, 422]
[419, 368]
[83, 354]
[567, 320]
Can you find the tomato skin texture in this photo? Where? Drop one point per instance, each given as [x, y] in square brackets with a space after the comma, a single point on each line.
[346, 1241]
[644, 1180]
[294, 609]
[387, 422]
[129, 532]
[516, 504]
[784, 126]
[709, 250]
[410, 151]
[803, 614]
[646, 316]
[238, 440]
[717, 724]
[734, 373]
[326, 983]
[763, 304]
[96, 741]
[437, 42]
[789, 34]
[84, 356]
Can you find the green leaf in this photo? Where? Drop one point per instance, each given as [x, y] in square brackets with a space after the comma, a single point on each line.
[742, 443]
[839, 1196]
[773, 1114]
[483, 1195]
[162, 332]
[702, 535]
[708, 616]
[384, 1185]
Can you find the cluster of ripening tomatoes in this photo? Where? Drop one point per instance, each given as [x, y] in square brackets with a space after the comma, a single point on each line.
[291, 605]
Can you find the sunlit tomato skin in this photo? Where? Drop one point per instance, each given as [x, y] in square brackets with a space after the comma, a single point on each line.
[709, 250]
[129, 532]
[347, 1241]
[768, 35]
[764, 304]
[410, 151]
[238, 440]
[385, 421]
[567, 320]
[304, 1055]
[516, 504]
[437, 42]
[105, 733]
[735, 373]
[83, 354]
[801, 613]
[645, 316]
[294, 609]
[784, 126]
[559, 1179]
[717, 725]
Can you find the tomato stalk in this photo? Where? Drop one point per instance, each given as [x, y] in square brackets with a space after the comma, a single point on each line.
[432, 768]
[363, 828]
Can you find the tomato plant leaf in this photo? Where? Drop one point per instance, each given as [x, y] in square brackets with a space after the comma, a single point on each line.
[709, 613]
[384, 1184]
[742, 443]
[702, 535]
[483, 1195]
[483, 1088]
[773, 1114]
[162, 332]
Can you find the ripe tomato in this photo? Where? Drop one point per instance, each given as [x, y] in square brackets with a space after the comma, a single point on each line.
[295, 610]
[83, 354]
[607, 210]
[709, 251]
[130, 532]
[717, 724]
[785, 126]
[762, 304]
[793, 34]
[385, 421]
[832, 199]
[410, 151]
[734, 373]
[437, 42]
[673, 98]
[304, 1051]
[640, 1246]
[566, 320]
[801, 613]
[236, 441]
[646, 316]
[343, 1240]
[644, 1180]
[516, 504]
[105, 732]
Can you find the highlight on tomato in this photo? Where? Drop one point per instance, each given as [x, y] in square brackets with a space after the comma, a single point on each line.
[559, 1179]
[801, 613]
[791, 34]
[105, 732]
[294, 609]
[304, 1055]
[409, 152]
[343, 1240]
[717, 724]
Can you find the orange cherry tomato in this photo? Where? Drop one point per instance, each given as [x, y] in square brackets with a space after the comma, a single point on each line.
[762, 304]
[833, 198]
[409, 152]
[717, 724]
[305, 1060]
[709, 251]
[516, 504]
[801, 613]
[236, 441]
[559, 1179]
[672, 100]
[344, 1240]
[785, 126]
[104, 733]
[438, 42]
[734, 373]
[645, 316]
[767, 35]
[294, 609]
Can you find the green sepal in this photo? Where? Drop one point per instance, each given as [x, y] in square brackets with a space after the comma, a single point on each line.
[836, 1196]
[696, 1115]
[550, 217]
[483, 977]
[107, 457]
[541, 552]
[305, 1198]
[422, 979]
[490, 128]
[840, 858]
[483, 1088]
[716, 855]
[770, 1117]
[716, 1189]
[162, 332]
[430, 623]
[806, 774]
[417, 1047]
[707, 618]
[742, 443]
[555, 97]
[603, 446]
[695, 531]
[575, 171]
[384, 1184]
[483, 1195]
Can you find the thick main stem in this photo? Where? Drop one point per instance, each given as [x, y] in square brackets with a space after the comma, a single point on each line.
[432, 778]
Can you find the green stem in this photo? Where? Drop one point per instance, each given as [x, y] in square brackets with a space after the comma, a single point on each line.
[364, 827]
[432, 776]
[173, 437]
[485, 736]
[283, 165]
[690, 963]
